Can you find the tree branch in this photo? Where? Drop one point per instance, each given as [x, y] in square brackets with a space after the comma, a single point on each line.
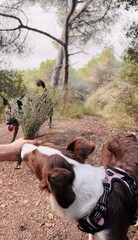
[11, 16]
[21, 25]
[72, 54]
[90, 22]
[44, 33]
[10, 42]
[86, 4]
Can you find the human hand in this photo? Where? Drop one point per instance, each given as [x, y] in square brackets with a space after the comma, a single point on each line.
[11, 151]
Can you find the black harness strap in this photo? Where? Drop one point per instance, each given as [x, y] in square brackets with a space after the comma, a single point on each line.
[95, 222]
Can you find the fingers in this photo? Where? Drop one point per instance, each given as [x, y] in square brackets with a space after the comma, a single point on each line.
[35, 142]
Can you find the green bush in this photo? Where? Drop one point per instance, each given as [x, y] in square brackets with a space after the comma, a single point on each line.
[116, 101]
[67, 105]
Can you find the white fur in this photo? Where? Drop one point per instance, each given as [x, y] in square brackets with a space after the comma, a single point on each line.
[91, 237]
[51, 151]
[88, 188]
[87, 185]
[27, 148]
[102, 235]
[56, 207]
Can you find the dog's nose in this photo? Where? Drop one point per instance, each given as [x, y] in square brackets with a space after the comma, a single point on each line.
[11, 121]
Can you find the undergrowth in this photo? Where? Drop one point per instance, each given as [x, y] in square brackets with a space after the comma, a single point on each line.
[117, 102]
[67, 105]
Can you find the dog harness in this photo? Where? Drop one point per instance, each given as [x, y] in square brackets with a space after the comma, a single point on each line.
[95, 222]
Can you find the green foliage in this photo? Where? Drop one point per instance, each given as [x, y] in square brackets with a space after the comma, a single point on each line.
[11, 86]
[130, 57]
[101, 69]
[46, 69]
[11, 83]
[132, 34]
[131, 54]
[44, 72]
[73, 108]
[88, 71]
[30, 75]
[116, 101]
[108, 96]
[130, 72]
[128, 103]
[98, 82]
[66, 105]
[77, 87]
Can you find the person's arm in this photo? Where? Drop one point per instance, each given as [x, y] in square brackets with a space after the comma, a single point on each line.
[11, 151]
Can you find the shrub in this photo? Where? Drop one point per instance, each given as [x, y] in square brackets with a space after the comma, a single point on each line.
[116, 101]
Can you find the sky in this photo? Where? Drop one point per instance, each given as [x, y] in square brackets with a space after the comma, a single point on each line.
[43, 48]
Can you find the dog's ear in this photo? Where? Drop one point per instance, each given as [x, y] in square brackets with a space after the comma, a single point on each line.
[107, 157]
[81, 148]
[114, 147]
[59, 182]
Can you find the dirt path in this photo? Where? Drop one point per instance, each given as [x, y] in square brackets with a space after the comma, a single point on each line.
[25, 212]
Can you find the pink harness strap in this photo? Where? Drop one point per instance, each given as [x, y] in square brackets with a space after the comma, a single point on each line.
[95, 222]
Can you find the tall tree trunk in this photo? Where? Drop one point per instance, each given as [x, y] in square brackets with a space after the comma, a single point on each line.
[63, 52]
[57, 70]
[66, 40]
[66, 68]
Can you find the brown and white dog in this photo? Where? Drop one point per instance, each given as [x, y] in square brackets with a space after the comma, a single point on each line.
[75, 187]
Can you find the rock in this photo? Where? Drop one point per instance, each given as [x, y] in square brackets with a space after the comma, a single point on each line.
[50, 216]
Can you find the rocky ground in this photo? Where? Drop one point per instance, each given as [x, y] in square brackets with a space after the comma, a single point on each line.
[25, 212]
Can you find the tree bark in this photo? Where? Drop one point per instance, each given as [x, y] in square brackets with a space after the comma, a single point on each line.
[63, 55]
[57, 70]
[66, 68]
